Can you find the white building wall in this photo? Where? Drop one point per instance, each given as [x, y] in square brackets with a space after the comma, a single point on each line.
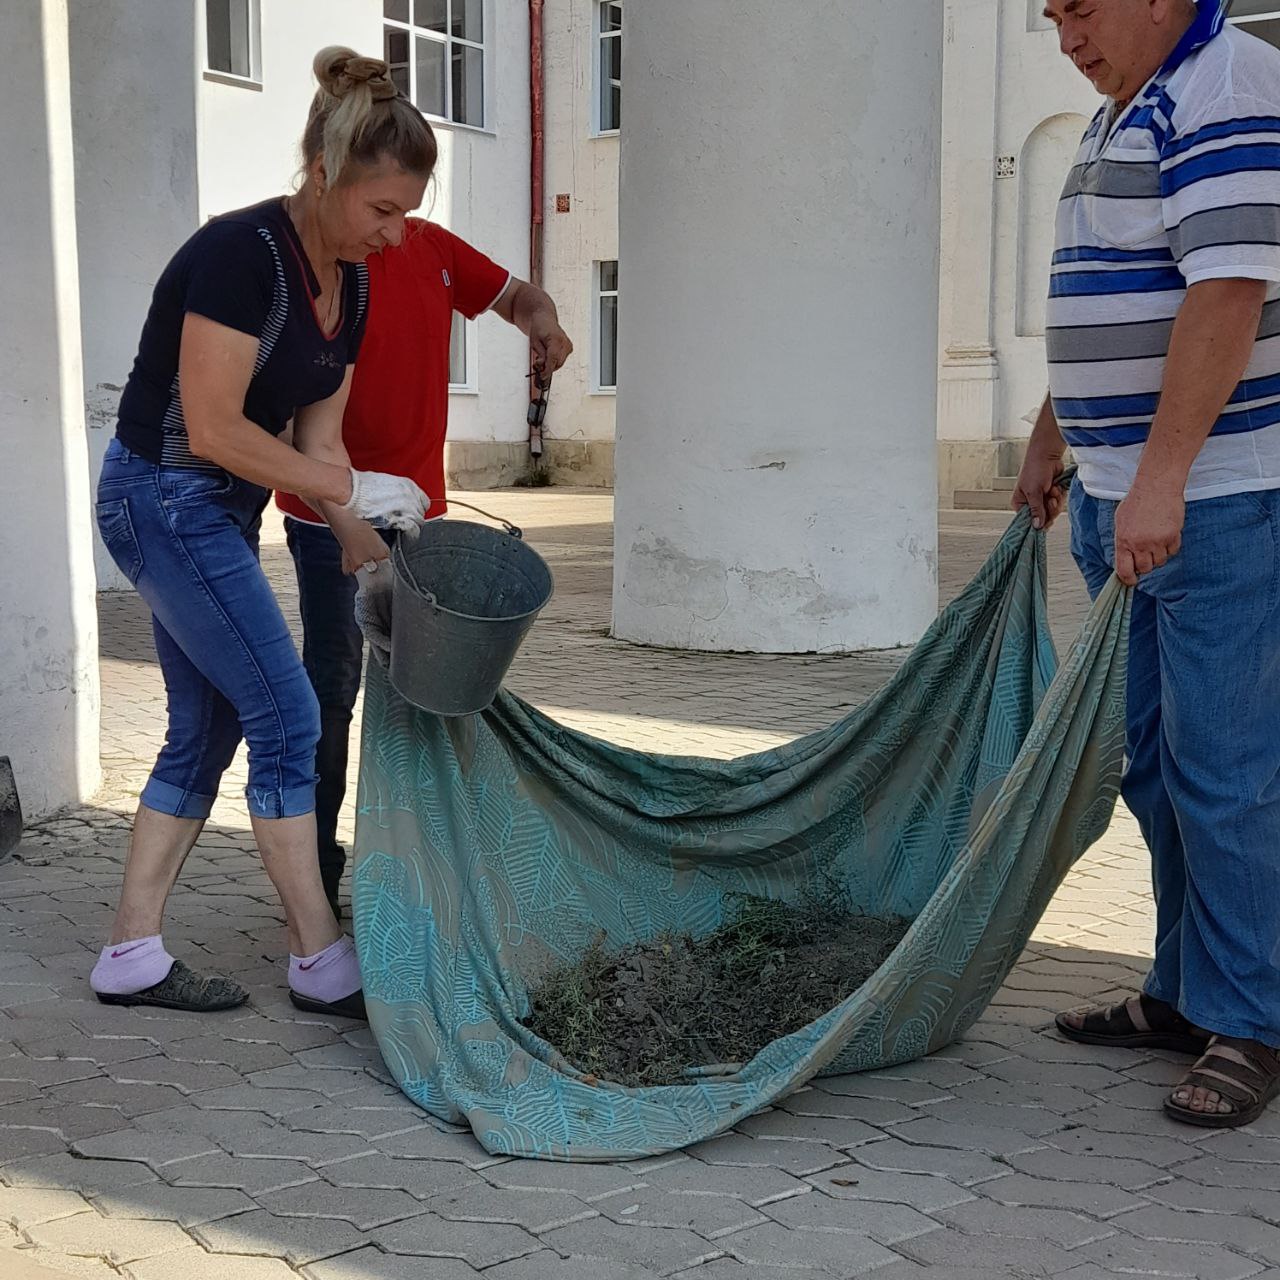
[133, 65]
[1014, 111]
[583, 165]
[48, 627]
[249, 136]
[482, 194]
[1044, 105]
[249, 150]
[968, 368]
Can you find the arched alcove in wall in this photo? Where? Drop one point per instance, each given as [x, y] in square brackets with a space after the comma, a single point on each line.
[1046, 158]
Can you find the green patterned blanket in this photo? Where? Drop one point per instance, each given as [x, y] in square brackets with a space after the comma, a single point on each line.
[490, 848]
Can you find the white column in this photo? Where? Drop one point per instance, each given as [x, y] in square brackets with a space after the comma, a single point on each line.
[779, 300]
[48, 625]
[133, 64]
[968, 373]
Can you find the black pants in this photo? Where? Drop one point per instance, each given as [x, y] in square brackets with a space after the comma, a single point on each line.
[333, 654]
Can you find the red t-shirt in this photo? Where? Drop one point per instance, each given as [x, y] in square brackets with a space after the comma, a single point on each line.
[399, 407]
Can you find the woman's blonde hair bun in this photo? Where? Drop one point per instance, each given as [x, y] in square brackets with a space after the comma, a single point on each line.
[359, 114]
[342, 71]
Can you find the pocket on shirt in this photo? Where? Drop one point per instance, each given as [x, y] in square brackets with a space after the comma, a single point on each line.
[1122, 199]
[116, 527]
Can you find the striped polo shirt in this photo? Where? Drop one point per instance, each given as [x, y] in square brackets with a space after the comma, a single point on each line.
[1183, 185]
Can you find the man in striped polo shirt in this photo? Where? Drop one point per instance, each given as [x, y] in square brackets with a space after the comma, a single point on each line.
[1164, 358]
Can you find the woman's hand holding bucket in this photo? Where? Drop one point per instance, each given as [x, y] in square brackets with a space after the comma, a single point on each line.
[393, 501]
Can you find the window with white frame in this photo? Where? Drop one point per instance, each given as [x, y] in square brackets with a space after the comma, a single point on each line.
[608, 113]
[606, 325]
[436, 50]
[232, 38]
[1258, 18]
[462, 351]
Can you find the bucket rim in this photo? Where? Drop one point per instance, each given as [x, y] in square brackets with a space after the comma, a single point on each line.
[400, 569]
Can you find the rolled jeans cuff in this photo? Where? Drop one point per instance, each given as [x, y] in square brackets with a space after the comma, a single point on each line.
[164, 797]
[286, 802]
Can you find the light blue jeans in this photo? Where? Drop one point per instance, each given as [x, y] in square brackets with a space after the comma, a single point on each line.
[1203, 772]
[188, 540]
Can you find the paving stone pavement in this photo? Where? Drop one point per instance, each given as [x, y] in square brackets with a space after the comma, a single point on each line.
[262, 1145]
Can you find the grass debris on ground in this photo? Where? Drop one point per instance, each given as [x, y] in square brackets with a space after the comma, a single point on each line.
[673, 1010]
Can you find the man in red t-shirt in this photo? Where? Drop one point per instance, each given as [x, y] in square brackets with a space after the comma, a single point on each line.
[395, 422]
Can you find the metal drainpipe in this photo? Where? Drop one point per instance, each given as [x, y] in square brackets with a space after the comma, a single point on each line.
[537, 165]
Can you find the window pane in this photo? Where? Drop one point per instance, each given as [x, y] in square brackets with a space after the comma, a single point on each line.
[610, 104]
[609, 342]
[468, 85]
[611, 17]
[395, 49]
[431, 14]
[396, 10]
[468, 19]
[241, 50]
[458, 352]
[227, 36]
[431, 68]
[610, 81]
[218, 27]
[609, 277]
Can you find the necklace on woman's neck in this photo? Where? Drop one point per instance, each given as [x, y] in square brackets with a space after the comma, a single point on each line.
[327, 323]
[330, 318]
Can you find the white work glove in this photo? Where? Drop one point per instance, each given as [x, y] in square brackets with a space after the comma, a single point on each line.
[373, 608]
[387, 501]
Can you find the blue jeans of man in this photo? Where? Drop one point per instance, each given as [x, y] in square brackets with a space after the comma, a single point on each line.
[188, 541]
[333, 654]
[1203, 771]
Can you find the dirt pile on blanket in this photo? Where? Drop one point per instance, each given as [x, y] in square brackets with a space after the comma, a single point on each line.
[675, 1009]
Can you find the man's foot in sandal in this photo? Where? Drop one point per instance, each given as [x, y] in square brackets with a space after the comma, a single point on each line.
[1229, 1086]
[184, 990]
[1141, 1022]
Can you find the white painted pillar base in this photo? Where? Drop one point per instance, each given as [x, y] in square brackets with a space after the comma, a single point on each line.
[776, 455]
[48, 622]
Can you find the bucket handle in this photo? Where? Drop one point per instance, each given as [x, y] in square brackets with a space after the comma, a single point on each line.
[401, 569]
[514, 530]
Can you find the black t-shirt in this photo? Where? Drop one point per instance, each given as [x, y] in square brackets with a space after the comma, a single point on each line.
[246, 270]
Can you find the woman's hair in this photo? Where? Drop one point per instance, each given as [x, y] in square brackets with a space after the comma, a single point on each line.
[358, 115]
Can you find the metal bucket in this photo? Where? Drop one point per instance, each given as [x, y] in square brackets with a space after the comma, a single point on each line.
[463, 598]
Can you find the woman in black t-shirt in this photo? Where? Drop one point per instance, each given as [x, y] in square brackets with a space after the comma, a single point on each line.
[255, 322]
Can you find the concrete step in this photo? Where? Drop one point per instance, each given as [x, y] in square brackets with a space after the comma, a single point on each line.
[981, 500]
[1005, 484]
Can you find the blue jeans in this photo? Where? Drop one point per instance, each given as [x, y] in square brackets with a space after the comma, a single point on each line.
[1203, 772]
[188, 541]
[333, 653]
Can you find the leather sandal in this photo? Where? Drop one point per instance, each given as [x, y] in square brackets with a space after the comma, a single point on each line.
[1243, 1073]
[1141, 1022]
